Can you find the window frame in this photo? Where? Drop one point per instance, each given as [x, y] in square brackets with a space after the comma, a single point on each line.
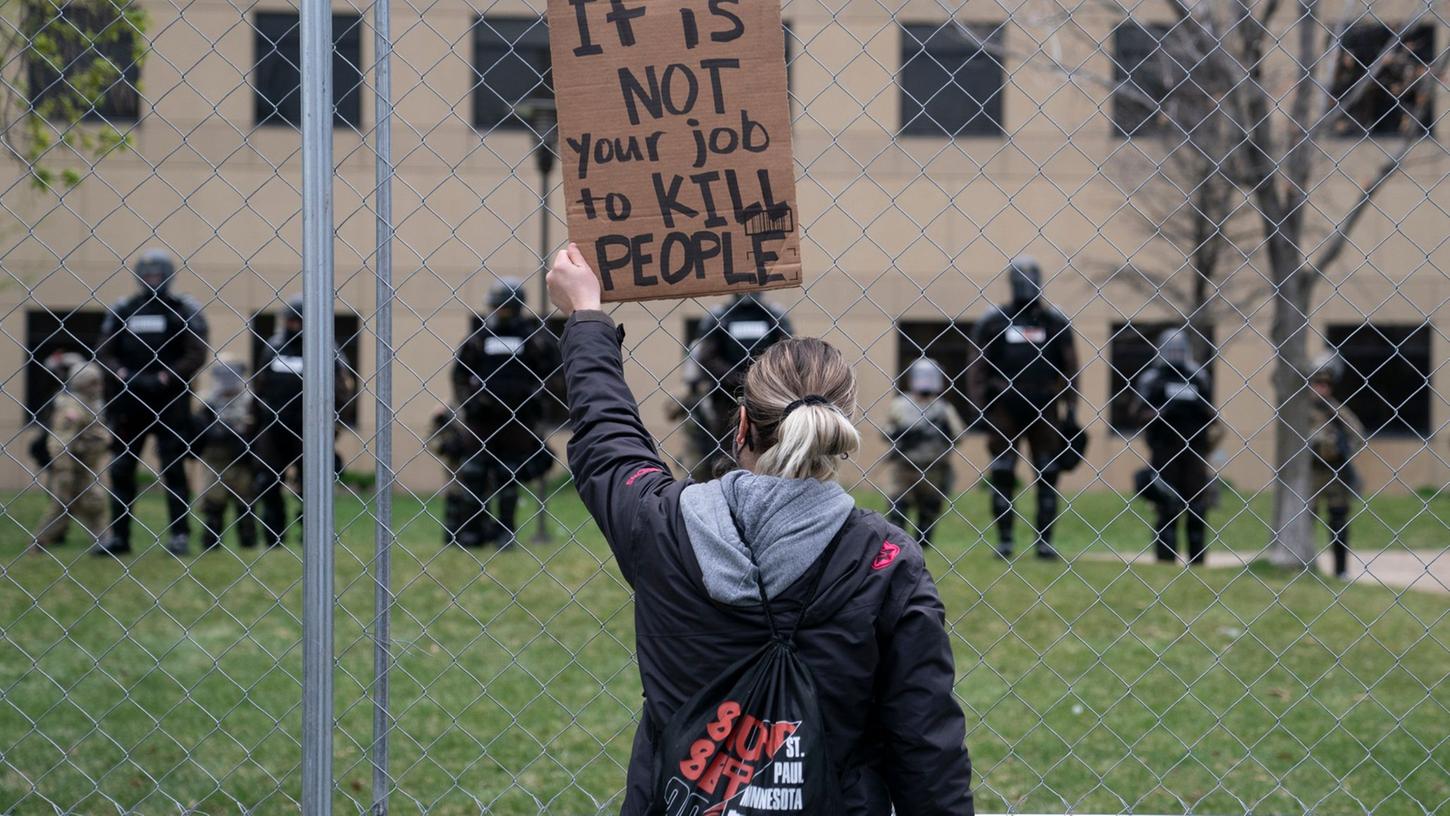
[39, 84]
[532, 25]
[1346, 124]
[1354, 387]
[914, 120]
[347, 84]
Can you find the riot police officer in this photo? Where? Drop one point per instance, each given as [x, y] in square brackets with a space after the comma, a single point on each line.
[732, 336]
[1175, 406]
[923, 429]
[501, 384]
[1024, 380]
[277, 399]
[152, 344]
[1335, 438]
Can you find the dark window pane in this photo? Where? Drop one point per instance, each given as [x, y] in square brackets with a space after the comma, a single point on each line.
[277, 76]
[1399, 98]
[95, 49]
[951, 80]
[510, 65]
[50, 332]
[347, 332]
[1158, 85]
[1131, 350]
[950, 344]
[1386, 380]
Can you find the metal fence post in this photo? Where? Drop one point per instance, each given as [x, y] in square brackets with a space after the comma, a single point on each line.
[318, 371]
[383, 331]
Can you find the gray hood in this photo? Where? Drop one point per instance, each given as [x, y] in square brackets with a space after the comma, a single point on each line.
[787, 521]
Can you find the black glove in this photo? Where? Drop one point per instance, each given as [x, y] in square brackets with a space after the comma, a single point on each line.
[40, 450]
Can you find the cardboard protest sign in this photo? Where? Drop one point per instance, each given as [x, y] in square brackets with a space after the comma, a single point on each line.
[674, 135]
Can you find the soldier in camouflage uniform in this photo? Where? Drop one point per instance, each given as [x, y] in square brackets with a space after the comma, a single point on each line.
[77, 446]
[1336, 437]
[453, 444]
[923, 429]
[226, 431]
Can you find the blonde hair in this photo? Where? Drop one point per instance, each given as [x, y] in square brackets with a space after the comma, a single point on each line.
[809, 441]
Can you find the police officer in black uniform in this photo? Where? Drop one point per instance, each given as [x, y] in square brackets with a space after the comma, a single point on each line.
[152, 344]
[277, 399]
[1175, 405]
[501, 383]
[732, 336]
[1024, 379]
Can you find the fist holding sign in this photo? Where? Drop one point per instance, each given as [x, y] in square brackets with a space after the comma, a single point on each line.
[675, 141]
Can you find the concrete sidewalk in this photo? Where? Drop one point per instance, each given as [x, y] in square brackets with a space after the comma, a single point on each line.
[1421, 570]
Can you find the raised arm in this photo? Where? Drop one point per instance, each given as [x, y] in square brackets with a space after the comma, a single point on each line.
[611, 455]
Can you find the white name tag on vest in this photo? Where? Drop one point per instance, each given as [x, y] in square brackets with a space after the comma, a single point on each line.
[749, 329]
[287, 365]
[1026, 334]
[146, 324]
[502, 345]
[1180, 391]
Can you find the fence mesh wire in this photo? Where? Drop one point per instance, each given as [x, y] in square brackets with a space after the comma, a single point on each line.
[1266, 176]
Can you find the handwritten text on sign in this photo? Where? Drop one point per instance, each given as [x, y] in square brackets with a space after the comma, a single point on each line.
[674, 131]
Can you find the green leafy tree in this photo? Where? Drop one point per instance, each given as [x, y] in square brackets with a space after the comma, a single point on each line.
[69, 85]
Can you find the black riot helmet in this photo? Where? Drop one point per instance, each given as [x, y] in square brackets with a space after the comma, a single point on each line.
[508, 293]
[1025, 278]
[291, 314]
[155, 270]
[1174, 348]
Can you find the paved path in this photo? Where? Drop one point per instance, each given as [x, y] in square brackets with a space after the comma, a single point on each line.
[1422, 570]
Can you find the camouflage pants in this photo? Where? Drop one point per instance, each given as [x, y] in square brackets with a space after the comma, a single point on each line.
[1328, 491]
[924, 490]
[227, 483]
[74, 485]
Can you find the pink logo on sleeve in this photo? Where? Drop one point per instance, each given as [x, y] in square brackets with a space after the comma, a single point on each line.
[884, 558]
[642, 472]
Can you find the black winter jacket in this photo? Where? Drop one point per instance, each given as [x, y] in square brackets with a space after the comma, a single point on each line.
[875, 637]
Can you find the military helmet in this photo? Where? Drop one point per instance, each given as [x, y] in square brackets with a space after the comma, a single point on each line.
[508, 291]
[85, 380]
[925, 376]
[155, 269]
[1328, 368]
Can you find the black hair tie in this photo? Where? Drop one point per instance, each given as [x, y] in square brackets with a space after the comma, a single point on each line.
[812, 399]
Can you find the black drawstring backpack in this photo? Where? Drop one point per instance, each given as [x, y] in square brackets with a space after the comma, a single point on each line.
[753, 741]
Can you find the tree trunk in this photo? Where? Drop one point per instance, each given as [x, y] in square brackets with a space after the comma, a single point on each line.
[1291, 540]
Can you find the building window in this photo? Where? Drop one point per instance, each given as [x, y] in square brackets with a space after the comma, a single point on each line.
[1153, 94]
[52, 332]
[510, 65]
[951, 80]
[1399, 98]
[277, 76]
[1386, 381]
[949, 342]
[81, 62]
[347, 330]
[1131, 351]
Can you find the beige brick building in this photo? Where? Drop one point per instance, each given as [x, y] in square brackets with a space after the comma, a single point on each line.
[904, 230]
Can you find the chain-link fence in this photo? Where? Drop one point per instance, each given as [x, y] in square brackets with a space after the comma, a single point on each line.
[1214, 193]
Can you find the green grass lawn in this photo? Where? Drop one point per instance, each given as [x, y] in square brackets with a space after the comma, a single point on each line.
[159, 685]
